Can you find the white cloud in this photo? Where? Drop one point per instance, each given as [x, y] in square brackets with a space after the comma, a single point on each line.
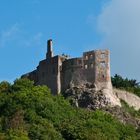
[16, 34]
[119, 22]
[9, 34]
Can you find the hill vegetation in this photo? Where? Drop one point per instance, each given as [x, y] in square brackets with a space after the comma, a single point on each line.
[29, 112]
[130, 85]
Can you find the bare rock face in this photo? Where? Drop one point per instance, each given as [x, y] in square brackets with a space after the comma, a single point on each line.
[87, 96]
[131, 99]
[107, 100]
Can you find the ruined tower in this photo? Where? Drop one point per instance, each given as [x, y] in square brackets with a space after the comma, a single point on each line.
[102, 69]
[60, 73]
[49, 53]
[97, 68]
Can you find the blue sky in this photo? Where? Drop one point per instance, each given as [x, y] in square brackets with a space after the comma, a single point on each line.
[75, 26]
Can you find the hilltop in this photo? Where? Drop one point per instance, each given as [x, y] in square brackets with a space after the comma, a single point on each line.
[31, 112]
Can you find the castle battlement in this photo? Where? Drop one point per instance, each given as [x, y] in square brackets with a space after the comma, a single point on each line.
[60, 72]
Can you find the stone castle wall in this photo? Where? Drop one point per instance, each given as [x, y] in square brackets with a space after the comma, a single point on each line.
[69, 68]
[60, 73]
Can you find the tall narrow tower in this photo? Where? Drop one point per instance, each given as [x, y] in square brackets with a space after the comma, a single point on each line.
[102, 69]
[49, 49]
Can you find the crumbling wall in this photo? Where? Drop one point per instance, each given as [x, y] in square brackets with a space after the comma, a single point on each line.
[89, 66]
[60, 73]
[93, 68]
[97, 68]
[47, 73]
[33, 76]
[72, 72]
[102, 69]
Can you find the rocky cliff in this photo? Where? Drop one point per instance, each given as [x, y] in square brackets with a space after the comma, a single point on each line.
[131, 99]
[88, 96]
[108, 100]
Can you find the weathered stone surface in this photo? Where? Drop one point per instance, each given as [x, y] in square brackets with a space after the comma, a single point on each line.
[131, 99]
[89, 97]
[61, 72]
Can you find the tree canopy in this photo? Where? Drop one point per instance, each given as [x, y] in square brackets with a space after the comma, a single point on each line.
[130, 85]
[29, 112]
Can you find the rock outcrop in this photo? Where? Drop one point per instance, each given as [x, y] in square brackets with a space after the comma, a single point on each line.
[88, 96]
[131, 99]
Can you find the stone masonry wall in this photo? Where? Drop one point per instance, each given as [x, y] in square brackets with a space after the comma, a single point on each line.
[60, 73]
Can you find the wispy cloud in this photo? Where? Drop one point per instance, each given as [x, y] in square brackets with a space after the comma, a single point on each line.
[9, 34]
[119, 23]
[18, 35]
[35, 39]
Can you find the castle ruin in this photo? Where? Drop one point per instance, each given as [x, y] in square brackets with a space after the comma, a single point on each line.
[60, 72]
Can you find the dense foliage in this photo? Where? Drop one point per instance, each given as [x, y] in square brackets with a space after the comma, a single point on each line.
[127, 84]
[29, 112]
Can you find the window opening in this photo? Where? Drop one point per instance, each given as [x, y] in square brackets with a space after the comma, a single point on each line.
[102, 55]
[103, 65]
[91, 56]
[91, 65]
[86, 66]
[86, 57]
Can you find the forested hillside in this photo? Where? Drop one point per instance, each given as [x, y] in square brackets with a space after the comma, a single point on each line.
[29, 112]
